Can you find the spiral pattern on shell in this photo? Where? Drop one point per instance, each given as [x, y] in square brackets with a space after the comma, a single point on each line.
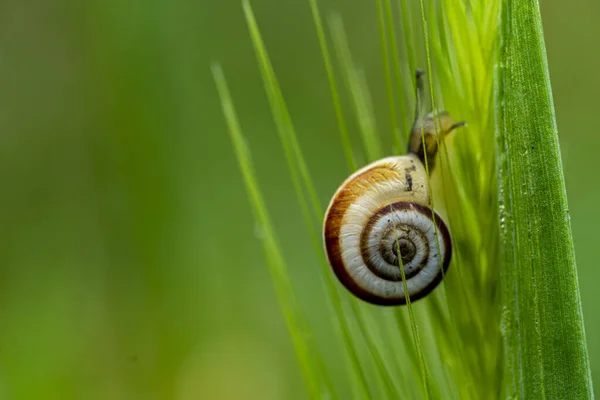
[378, 220]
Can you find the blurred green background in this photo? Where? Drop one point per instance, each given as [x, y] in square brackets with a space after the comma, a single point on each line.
[129, 264]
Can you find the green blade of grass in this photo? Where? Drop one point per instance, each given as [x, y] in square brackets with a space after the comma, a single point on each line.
[385, 60]
[407, 34]
[384, 374]
[358, 90]
[301, 176]
[545, 347]
[275, 261]
[391, 30]
[346, 143]
[472, 343]
[415, 330]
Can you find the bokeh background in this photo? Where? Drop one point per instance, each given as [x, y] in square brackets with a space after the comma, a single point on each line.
[129, 264]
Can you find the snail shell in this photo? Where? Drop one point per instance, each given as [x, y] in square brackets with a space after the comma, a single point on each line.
[379, 221]
[378, 217]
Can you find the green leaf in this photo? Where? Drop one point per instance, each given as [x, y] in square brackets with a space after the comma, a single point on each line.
[308, 359]
[545, 348]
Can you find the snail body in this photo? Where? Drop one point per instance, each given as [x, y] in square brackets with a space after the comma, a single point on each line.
[380, 220]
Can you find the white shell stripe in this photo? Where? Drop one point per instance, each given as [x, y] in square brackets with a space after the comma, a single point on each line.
[406, 224]
[388, 231]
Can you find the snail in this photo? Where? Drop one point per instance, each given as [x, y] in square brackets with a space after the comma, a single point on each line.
[380, 220]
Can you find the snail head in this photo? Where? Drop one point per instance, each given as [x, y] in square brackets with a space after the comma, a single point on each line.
[424, 133]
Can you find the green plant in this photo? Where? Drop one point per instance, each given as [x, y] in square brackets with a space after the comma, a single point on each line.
[488, 331]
